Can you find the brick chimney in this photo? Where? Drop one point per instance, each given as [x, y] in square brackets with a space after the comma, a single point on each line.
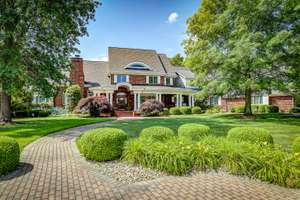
[77, 75]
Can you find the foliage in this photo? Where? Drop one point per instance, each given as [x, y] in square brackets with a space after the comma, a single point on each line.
[94, 106]
[295, 110]
[175, 111]
[214, 109]
[271, 109]
[31, 113]
[193, 131]
[296, 145]
[185, 110]
[102, 144]
[242, 47]
[73, 96]
[238, 109]
[151, 108]
[166, 112]
[156, 133]
[257, 108]
[250, 134]
[37, 39]
[177, 60]
[9, 154]
[196, 110]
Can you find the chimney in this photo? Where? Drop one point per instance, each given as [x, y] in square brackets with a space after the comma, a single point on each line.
[77, 74]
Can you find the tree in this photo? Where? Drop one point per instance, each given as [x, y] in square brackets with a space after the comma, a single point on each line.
[177, 60]
[36, 41]
[241, 46]
[73, 97]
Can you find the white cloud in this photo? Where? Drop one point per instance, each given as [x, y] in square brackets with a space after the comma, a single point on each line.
[104, 58]
[173, 17]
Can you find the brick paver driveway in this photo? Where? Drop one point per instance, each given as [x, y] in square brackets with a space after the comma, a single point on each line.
[53, 169]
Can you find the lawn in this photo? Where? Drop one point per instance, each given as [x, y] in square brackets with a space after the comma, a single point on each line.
[284, 128]
[30, 129]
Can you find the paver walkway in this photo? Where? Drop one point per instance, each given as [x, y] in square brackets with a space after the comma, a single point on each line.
[53, 169]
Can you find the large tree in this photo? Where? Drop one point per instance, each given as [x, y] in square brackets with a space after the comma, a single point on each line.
[177, 60]
[37, 39]
[242, 46]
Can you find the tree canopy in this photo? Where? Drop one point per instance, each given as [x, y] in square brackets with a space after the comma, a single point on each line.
[37, 39]
[241, 46]
[177, 60]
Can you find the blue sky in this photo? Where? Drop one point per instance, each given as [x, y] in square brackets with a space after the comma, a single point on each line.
[149, 24]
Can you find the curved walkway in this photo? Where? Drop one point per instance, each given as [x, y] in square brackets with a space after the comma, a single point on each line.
[52, 168]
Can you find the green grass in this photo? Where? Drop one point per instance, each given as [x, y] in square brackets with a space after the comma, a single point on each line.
[284, 128]
[29, 129]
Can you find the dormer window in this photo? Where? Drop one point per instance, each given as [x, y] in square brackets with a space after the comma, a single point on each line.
[137, 66]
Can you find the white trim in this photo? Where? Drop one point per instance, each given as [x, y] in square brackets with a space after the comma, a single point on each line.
[127, 78]
[115, 78]
[123, 84]
[138, 63]
[158, 80]
[171, 80]
[147, 79]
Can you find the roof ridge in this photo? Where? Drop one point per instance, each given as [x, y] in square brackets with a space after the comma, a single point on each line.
[133, 48]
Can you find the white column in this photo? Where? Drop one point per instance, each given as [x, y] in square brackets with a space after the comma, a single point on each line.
[193, 101]
[139, 101]
[177, 100]
[159, 97]
[135, 102]
[190, 100]
[110, 96]
[180, 101]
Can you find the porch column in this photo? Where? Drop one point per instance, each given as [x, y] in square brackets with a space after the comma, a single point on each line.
[180, 100]
[177, 100]
[135, 101]
[159, 97]
[138, 101]
[110, 96]
[193, 100]
[190, 100]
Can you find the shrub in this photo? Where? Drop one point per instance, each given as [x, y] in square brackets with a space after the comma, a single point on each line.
[175, 111]
[239, 109]
[185, 110]
[254, 108]
[94, 106]
[250, 134]
[9, 154]
[262, 108]
[272, 109]
[166, 112]
[193, 131]
[102, 144]
[295, 110]
[196, 110]
[44, 113]
[172, 156]
[296, 145]
[157, 133]
[151, 108]
[73, 96]
[212, 110]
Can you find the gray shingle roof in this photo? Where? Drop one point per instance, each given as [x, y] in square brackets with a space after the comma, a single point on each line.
[184, 71]
[96, 73]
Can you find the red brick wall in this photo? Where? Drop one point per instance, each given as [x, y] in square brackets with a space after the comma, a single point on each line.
[58, 100]
[77, 75]
[162, 80]
[137, 79]
[228, 103]
[285, 103]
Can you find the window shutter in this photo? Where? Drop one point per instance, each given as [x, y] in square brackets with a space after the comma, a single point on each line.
[158, 80]
[171, 81]
[127, 78]
[147, 79]
[115, 78]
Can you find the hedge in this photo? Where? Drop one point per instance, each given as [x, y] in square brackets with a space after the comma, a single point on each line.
[196, 110]
[250, 134]
[185, 110]
[157, 133]
[175, 111]
[193, 131]
[9, 154]
[296, 145]
[102, 144]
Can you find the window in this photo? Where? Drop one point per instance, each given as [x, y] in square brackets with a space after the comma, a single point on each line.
[153, 80]
[137, 66]
[169, 81]
[121, 78]
[257, 99]
[214, 100]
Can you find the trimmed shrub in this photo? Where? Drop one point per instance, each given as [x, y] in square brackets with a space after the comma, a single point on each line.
[175, 111]
[151, 108]
[193, 131]
[296, 145]
[172, 156]
[272, 109]
[73, 96]
[239, 109]
[44, 113]
[102, 144]
[185, 110]
[250, 134]
[295, 110]
[157, 133]
[196, 110]
[9, 154]
[262, 108]
[94, 106]
[166, 112]
[212, 110]
[254, 108]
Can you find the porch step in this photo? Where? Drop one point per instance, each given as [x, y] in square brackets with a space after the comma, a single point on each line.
[125, 114]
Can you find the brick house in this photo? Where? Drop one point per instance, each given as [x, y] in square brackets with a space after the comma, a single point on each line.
[130, 77]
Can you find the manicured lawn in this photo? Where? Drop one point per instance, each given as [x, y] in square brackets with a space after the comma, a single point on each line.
[29, 129]
[283, 128]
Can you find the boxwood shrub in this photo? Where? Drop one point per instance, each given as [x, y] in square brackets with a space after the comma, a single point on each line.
[156, 133]
[250, 134]
[238, 109]
[185, 110]
[175, 111]
[296, 145]
[295, 110]
[9, 154]
[102, 144]
[193, 131]
[166, 112]
[196, 110]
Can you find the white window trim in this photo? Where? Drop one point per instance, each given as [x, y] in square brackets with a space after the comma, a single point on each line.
[145, 66]
[158, 80]
[115, 78]
[147, 79]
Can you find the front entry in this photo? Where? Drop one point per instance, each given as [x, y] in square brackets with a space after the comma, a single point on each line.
[123, 99]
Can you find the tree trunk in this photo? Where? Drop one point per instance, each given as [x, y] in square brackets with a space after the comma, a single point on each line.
[248, 110]
[5, 112]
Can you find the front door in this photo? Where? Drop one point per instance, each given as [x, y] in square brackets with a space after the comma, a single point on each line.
[122, 100]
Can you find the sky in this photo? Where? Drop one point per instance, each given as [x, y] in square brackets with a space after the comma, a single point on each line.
[146, 24]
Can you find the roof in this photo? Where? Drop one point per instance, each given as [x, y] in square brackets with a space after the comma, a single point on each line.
[96, 73]
[121, 57]
[184, 71]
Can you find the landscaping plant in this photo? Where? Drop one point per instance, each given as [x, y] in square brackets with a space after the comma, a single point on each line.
[193, 131]
[9, 154]
[196, 110]
[296, 145]
[152, 108]
[157, 133]
[185, 110]
[102, 144]
[73, 96]
[175, 111]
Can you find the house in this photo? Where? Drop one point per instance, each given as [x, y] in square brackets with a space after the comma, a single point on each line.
[130, 77]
